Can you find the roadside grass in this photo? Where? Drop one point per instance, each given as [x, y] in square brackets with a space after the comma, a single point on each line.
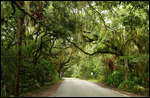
[41, 88]
[132, 90]
[70, 77]
[93, 80]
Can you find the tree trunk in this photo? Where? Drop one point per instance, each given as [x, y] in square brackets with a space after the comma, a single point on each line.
[126, 60]
[85, 73]
[60, 73]
[20, 31]
[19, 35]
[126, 68]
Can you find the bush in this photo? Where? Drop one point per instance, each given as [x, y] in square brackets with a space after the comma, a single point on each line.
[27, 77]
[8, 71]
[114, 79]
[44, 71]
[33, 77]
[131, 86]
[100, 78]
[127, 85]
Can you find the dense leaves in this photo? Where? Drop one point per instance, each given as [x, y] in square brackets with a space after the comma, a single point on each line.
[104, 40]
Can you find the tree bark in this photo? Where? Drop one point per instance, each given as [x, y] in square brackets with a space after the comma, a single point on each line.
[60, 73]
[126, 68]
[20, 31]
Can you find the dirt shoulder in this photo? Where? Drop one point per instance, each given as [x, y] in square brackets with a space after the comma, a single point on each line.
[47, 92]
[119, 90]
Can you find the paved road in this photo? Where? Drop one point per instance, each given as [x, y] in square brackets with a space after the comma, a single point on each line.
[73, 87]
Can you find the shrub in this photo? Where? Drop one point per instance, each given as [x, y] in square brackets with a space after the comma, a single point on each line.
[43, 71]
[8, 71]
[127, 85]
[131, 86]
[114, 79]
[27, 77]
[36, 76]
[100, 78]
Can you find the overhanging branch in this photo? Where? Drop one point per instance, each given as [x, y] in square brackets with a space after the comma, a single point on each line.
[100, 16]
[99, 51]
[83, 50]
[97, 12]
[18, 6]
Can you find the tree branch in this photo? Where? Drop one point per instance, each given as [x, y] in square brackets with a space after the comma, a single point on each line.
[100, 16]
[97, 12]
[13, 8]
[99, 51]
[18, 6]
[128, 41]
[69, 57]
[83, 50]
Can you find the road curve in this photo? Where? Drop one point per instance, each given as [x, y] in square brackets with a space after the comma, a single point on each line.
[73, 87]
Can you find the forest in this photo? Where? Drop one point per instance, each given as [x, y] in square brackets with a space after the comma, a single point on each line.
[43, 41]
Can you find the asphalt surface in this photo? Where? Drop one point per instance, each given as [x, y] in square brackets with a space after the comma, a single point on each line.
[73, 87]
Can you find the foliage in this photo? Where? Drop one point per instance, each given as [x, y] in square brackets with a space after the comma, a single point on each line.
[27, 79]
[131, 86]
[114, 79]
[128, 85]
[53, 31]
[38, 75]
[8, 66]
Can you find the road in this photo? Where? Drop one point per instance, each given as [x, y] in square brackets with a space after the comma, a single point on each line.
[73, 87]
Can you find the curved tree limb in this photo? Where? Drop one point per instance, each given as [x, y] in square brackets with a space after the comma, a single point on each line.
[69, 57]
[14, 10]
[129, 41]
[83, 50]
[18, 6]
[99, 51]
[100, 16]
[97, 12]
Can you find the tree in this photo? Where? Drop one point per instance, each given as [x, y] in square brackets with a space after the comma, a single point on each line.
[62, 58]
[47, 33]
[20, 32]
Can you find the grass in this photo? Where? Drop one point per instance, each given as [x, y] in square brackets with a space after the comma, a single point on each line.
[41, 88]
[93, 80]
[142, 92]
